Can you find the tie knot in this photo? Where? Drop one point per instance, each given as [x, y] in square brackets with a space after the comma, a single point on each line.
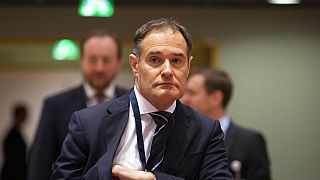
[100, 97]
[160, 117]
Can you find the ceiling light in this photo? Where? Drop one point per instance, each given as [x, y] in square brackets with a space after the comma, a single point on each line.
[284, 1]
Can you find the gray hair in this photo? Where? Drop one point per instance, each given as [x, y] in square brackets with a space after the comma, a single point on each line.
[159, 24]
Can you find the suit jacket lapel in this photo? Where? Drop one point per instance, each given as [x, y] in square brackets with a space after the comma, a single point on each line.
[229, 139]
[179, 139]
[82, 100]
[115, 124]
[113, 127]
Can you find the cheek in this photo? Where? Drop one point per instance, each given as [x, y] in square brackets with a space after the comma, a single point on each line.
[182, 78]
[145, 79]
[199, 100]
[88, 70]
[147, 75]
[193, 102]
[110, 69]
[183, 84]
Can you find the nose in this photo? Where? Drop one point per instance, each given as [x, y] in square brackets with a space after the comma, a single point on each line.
[99, 65]
[167, 71]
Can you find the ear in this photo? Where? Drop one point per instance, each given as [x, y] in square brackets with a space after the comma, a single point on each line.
[216, 98]
[190, 59]
[133, 64]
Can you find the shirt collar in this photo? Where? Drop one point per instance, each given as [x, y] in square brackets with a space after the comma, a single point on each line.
[146, 107]
[90, 91]
[224, 122]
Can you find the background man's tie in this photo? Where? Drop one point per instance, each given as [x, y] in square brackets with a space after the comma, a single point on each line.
[100, 97]
[159, 140]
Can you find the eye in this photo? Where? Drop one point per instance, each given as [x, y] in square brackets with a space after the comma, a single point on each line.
[176, 61]
[107, 60]
[154, 59]
[92, 60]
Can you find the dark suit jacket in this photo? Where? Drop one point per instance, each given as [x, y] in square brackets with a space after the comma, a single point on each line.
[195, 149]
[15, 152]
[249, 148]
[53, 127]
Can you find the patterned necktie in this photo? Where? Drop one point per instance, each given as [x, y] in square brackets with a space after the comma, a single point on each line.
[159, 141]
[100, 97]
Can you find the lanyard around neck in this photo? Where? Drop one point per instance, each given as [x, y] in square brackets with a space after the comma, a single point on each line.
[137, 117]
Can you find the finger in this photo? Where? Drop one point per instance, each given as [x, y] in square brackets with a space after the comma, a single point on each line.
[115, 171]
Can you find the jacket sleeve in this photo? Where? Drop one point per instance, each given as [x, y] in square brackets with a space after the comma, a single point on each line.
[259, 161]
[72, 160]
[43, 151]
[164, 176]
[214, 163]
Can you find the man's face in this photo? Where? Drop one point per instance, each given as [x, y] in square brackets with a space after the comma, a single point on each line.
[99, 61]
[196, 94]
[163, 67]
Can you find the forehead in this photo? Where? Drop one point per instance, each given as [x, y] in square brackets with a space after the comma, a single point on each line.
[99, 42]
[161, 40]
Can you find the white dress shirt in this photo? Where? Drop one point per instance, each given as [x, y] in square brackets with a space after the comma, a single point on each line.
[90, 92]
[224, 123]
[127, 154]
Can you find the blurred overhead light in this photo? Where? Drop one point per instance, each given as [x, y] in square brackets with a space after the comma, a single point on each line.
[98, 8]
[284, 1]
[65, 50]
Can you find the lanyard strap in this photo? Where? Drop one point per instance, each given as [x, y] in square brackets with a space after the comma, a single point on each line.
[137, 117]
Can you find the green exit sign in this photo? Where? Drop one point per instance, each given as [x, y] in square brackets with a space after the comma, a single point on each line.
[97, 8]
[65, 50]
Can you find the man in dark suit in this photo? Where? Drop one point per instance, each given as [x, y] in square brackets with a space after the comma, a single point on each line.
[148, 133]
[209, 91]
[100, 61]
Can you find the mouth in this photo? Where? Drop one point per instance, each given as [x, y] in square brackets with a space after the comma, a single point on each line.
[166, 84]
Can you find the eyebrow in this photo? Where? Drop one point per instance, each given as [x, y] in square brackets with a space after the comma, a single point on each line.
[158, 52]
[154, 52]
[179, 54]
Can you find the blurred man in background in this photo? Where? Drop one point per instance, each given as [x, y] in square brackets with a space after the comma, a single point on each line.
[209, 91]
[15, 149]
[100, 62]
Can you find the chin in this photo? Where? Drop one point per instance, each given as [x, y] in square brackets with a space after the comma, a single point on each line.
[100, 84]
[170, 95]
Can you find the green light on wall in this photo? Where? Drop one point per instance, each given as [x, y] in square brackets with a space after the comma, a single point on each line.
[99, 8]
[65, 50]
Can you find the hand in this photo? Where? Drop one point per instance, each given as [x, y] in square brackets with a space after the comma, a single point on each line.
[123, 173]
